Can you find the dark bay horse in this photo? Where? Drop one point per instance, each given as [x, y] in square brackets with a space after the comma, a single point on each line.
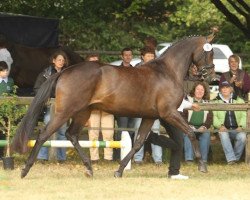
[30, 61]
[152, 91]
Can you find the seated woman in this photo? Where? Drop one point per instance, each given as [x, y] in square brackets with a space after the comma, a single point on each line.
[199, 121]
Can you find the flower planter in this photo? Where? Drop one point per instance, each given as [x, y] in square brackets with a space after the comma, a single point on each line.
[8, 163]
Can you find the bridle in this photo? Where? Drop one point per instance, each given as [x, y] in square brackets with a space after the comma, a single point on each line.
[203, 70]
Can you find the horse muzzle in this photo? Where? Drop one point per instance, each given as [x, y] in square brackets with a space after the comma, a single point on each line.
[204, 70]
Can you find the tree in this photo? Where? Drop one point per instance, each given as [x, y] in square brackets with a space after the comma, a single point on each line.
[237, 12]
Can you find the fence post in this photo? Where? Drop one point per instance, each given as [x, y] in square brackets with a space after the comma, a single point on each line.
[247, 157]
[126, 147]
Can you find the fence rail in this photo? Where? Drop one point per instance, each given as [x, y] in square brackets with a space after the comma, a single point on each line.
[204, 106]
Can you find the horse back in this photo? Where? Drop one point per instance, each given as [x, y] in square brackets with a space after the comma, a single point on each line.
[129, 91]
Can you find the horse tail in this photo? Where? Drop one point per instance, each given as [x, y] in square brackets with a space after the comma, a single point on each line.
[29, 121]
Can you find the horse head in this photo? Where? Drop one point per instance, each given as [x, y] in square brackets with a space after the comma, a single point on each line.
[203, 56]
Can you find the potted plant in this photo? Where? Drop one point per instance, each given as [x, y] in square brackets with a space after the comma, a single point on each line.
[10, 115]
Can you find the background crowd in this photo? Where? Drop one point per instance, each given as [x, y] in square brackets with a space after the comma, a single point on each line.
[234, 86]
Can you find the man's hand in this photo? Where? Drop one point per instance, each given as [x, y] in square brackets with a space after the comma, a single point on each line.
[233, 79]
[238, 84]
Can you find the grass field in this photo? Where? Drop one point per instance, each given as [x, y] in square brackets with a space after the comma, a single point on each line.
[54, 181]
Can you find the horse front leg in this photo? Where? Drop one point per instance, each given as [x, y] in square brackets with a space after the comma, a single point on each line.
[143, 132]
[72, 134]
[177, 120]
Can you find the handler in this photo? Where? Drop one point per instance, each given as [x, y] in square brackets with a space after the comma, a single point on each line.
[174, 142]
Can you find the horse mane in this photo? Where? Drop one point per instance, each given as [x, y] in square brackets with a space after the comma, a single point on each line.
[178, 41]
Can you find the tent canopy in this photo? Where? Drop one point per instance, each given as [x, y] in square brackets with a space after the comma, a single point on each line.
[30, 31]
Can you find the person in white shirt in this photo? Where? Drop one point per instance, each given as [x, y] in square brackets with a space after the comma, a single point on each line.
[4, 53]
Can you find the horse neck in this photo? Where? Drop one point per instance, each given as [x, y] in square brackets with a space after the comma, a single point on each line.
[178, 59]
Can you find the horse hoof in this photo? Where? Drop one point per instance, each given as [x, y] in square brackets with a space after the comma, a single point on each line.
[117, 174]
[89, 173]
[23, 173]
[203, 167]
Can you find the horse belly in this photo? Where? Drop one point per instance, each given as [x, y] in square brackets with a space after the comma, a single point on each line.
[126, 107]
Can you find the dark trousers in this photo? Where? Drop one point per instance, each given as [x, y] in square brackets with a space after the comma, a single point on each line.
[2, 137]
[175, 143]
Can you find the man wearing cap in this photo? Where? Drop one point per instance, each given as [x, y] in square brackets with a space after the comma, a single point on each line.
[230, 124]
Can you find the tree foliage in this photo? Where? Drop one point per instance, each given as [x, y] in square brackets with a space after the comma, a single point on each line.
[237, 12]
[112, 25]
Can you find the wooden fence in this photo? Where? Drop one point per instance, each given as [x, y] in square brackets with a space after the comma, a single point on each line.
[205, 106]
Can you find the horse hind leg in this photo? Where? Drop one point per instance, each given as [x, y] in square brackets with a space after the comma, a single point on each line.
[143, 132]
[43, 137]
[72, 134]
[32, 157]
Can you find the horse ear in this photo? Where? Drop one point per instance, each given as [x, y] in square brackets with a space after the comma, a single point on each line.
[214, 30]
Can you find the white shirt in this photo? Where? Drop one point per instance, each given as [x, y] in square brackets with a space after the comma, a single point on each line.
[4, 79]
[184, 104]
[5, 56]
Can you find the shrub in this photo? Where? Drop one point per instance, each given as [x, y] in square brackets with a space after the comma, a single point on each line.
[10, 115]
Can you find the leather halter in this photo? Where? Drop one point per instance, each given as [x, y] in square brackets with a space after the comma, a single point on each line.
[204, 68]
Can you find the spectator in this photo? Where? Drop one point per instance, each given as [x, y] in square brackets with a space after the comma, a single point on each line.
[58, 61]
[127, 56]
[93, 57]
[199, 121]
[190, 79]
[148, 54]
[6, 83]
[101, 119]
[237, 78]
[193, 76]
[6, 86]
[151, 42]
[230, 124]
[124, 122]
[4, 53]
